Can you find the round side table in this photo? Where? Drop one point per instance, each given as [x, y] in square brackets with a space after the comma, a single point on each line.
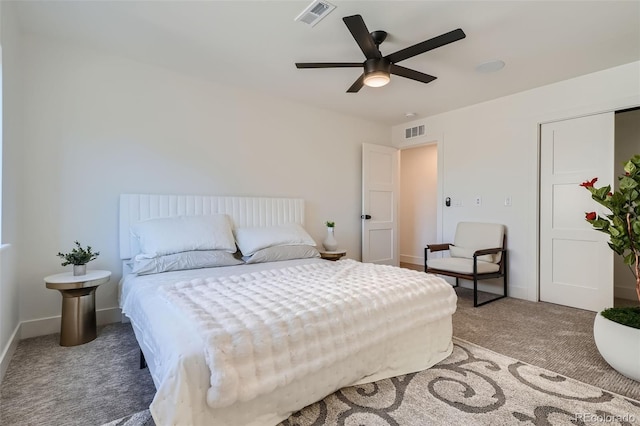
[78, 304]
[332, 255]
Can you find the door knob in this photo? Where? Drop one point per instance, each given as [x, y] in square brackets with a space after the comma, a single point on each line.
[365, 216]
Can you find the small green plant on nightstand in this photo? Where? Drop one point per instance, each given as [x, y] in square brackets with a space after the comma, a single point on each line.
[330, 224]
[78, 256]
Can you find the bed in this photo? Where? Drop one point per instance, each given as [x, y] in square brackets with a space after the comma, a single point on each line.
[252, 343]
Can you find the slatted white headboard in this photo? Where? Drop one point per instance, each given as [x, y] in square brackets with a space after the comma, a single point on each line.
[244, 211]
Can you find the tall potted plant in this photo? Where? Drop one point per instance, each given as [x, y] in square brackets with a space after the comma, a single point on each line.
[617, 330]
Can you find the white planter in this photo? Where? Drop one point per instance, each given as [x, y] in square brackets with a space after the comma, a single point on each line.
[79, 270]
[330, 243]
[619, 345]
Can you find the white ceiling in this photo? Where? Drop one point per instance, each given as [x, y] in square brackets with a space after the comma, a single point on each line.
[254, 44]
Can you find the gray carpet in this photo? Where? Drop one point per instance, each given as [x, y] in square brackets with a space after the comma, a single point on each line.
[550, 336]
[95, 383]
[48, 384]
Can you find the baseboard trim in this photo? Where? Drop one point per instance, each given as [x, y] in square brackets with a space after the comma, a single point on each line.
[51, 325]
[414, 260]
[8, 352]
[628, 293]
[515, 292]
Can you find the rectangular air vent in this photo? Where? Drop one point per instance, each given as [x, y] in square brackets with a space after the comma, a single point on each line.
[315, 12]
[414, 132]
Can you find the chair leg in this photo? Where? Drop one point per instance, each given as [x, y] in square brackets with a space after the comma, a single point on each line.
[505, 274]
[505, 282]
[505, 285]
[475, 292]
[426, 252]
[143, 362]
[457, 283]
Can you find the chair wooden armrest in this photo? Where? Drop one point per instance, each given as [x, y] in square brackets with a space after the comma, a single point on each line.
[488, 251]
[438, 247]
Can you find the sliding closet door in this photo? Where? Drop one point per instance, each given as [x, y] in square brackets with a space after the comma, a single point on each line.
[576, 264]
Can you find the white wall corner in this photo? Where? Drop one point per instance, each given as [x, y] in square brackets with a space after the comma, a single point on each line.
[8, 351]
[627, 293]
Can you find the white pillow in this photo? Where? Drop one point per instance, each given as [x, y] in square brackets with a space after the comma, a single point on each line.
[279, 253]
[251, 240]
[169, 235]
[184, 260]
[455, 251]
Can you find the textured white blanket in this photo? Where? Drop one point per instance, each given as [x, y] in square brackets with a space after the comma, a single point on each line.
[266, 329]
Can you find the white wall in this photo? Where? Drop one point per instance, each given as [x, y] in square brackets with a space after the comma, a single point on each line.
[11, 84]
[98, 125]
[627, 145]
[491, 150]
[418, 201]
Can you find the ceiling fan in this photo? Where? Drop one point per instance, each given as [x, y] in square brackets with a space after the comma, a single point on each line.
[377, 68]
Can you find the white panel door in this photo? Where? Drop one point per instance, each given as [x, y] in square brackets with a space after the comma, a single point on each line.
[380, 188]
[576, 264]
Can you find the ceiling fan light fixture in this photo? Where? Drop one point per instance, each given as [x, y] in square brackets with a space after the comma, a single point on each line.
[377, 72]
[377, 79]
[378, 68]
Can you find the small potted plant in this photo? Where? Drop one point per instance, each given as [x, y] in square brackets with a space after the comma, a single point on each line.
[330, 243]
[617, 329]
[78, 257]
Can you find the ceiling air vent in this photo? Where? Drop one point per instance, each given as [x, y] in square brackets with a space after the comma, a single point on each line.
[315, 12]
[414, 132]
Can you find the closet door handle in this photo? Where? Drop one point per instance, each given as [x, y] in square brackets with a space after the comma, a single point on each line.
[365, 217]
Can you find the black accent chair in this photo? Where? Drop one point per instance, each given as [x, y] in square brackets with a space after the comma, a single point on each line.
[469, 259]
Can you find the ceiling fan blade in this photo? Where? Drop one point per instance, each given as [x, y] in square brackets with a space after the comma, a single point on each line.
[426, 45]
[412, 74]
[328, 64]
[357, 85]
[361, 34]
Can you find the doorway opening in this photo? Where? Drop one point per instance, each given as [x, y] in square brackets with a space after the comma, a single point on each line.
[627, 144]
[418, 207]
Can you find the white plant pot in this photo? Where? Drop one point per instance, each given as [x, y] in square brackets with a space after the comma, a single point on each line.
[79, 270]
[619, 345]
[330, 243]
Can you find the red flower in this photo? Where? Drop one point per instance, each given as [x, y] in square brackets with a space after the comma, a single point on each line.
[610, 194]
[589, 183]
[591, 216]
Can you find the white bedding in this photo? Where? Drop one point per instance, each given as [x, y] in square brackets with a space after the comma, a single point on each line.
[174, 348]
[264, 330]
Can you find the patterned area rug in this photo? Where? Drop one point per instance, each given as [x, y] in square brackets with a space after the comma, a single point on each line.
[473, 386]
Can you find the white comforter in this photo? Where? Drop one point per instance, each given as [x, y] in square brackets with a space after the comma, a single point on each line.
[267, 329]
